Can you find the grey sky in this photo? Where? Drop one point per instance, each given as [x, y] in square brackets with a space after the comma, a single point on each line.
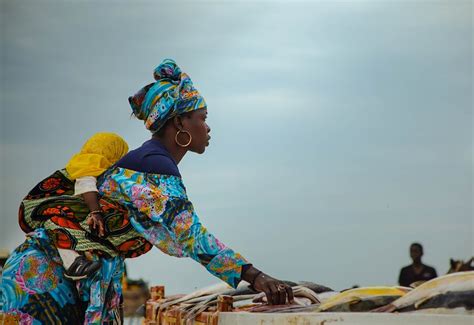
[341, 130]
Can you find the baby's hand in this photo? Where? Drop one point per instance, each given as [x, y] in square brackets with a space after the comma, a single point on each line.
[96, 222]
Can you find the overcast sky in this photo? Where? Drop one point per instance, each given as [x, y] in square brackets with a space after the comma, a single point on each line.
[341, 130]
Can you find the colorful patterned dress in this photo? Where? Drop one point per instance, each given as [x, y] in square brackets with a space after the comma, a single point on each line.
[143, 209]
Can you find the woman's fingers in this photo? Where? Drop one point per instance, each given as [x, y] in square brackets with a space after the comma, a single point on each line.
[275, 294]
[281, 294]
[278, 293]
[289, 292]
[270, 292]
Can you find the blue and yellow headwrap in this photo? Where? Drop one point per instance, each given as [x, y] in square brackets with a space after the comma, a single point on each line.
[172, 94]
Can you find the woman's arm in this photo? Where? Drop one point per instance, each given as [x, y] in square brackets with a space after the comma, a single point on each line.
[167, 219]
[192, 239]
[177, 231]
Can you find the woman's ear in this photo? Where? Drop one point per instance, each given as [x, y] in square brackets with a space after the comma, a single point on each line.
[177, 122]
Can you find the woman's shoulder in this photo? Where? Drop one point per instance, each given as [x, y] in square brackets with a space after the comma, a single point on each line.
[133, 180]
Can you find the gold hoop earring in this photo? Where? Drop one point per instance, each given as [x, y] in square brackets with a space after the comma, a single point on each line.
[183, 145]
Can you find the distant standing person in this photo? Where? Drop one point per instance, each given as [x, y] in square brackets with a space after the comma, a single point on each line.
[416, 271]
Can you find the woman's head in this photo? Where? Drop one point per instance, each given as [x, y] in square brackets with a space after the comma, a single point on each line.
[171, 106]
[190, 130]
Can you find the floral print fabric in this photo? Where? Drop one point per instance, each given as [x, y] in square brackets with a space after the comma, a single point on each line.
[52, 205]
[143, 209]
[161, 212]
[35, 290]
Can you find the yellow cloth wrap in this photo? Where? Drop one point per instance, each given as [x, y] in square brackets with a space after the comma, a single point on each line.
[100, 152]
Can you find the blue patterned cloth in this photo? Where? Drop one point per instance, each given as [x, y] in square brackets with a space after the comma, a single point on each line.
[161, 212]
[35, 290]
[172, 94]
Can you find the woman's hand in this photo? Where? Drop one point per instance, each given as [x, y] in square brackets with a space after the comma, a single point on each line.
[276, 291]
[96, 223]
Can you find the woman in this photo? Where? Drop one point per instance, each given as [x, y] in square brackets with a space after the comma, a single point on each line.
[146, 190]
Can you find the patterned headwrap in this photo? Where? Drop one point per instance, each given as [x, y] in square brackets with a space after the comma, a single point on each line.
[100, 152]
[172, 94]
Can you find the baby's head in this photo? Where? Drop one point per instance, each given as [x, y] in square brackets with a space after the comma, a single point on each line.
[99, 153]
[109, 145]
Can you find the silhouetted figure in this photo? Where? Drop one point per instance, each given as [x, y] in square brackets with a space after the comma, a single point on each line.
[416, 271]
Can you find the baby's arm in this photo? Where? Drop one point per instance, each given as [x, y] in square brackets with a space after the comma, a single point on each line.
[86, 187]
[94, 218]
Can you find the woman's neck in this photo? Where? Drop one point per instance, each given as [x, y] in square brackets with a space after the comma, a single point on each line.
[168, 142]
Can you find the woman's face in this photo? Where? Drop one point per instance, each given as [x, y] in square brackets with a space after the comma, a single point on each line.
[195, 124]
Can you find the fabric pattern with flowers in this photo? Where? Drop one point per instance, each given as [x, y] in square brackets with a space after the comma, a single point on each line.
[160, 211]
[142, 210]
